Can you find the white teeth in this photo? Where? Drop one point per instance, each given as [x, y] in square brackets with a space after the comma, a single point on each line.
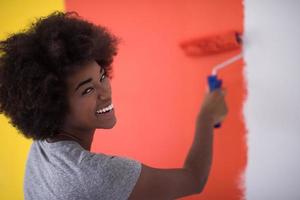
[110, 107]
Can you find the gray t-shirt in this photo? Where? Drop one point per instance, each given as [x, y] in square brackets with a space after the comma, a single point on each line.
[64, 170]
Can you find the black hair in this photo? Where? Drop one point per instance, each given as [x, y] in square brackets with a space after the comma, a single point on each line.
[34, 65]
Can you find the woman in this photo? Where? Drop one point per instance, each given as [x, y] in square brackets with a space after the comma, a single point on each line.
[55, 88]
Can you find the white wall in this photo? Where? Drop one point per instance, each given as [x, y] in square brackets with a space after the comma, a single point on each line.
[272, 108]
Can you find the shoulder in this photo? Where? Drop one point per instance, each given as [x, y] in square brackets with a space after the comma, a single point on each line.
[115, 175]
[99, 175]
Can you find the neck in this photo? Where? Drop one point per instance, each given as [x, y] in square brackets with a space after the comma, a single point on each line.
[85, 139]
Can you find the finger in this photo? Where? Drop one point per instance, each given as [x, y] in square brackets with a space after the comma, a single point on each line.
[221, 92]
[224, 91]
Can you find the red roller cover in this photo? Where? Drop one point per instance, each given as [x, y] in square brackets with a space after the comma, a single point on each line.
[212, 44]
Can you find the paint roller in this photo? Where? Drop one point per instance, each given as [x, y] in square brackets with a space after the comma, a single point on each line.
[211, 45]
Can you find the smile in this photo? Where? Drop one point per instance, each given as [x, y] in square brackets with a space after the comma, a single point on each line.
[105, 110]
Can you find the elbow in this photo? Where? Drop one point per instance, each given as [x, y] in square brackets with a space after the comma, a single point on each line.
[200, 186]
[199, 189]
[198, 181]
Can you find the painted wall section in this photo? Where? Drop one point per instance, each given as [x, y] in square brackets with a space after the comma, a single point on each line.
[157, 90]
[16, 15]
[272, 109]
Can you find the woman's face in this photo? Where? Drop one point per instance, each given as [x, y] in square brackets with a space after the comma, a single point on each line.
[89, 91]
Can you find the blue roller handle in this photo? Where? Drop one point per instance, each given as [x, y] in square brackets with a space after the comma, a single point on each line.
[214, 83]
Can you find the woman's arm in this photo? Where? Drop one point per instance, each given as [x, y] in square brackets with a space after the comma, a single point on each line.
[157, 184]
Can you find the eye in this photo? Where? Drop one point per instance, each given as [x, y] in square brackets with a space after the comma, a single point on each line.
[103, 77]
[87, 91]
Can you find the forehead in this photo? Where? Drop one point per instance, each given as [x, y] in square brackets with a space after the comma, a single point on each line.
[88, 70]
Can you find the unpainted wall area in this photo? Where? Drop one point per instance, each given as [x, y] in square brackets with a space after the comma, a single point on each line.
[272, 109]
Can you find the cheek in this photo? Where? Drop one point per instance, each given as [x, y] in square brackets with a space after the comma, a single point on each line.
[82, 108]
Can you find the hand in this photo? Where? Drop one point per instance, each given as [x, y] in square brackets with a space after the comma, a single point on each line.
[214, 106]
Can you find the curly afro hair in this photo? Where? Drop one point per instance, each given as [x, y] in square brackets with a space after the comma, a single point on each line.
[34, 65]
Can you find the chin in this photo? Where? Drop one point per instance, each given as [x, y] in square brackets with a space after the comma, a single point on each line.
[108, 125]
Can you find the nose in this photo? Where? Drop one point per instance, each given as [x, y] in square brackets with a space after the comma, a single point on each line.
[102, 97]
[103, 93]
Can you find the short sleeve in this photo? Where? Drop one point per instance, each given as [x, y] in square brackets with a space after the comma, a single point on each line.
[111, 177]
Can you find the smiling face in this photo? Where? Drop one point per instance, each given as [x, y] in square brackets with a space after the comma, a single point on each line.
[89, 98]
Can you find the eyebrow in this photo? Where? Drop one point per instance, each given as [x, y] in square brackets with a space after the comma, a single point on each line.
[83, 82]
[87, 80]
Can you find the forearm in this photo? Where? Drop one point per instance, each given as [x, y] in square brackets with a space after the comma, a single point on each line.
[199, 158]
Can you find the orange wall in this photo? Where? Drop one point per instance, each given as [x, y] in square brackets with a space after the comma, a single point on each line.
[157, 90]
